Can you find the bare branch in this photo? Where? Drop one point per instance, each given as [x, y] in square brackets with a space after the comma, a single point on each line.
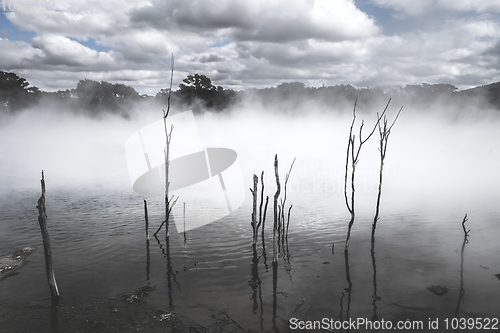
[378, 120]
[165, 114]
[397, 116]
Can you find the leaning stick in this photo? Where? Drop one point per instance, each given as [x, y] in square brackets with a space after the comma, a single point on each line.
[42, 220]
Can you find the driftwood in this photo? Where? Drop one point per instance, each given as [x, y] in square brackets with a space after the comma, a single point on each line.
[42, 220]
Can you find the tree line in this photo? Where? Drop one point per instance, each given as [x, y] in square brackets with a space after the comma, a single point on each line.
[198, 93]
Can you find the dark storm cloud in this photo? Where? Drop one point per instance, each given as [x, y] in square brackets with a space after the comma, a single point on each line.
[259, 20]
[192, 15]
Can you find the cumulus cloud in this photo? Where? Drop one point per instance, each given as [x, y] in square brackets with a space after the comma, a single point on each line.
[260, 20]
[258, 43]
[16, 54]
[62, 51]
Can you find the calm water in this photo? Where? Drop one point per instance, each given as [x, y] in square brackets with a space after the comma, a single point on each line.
[100, 249]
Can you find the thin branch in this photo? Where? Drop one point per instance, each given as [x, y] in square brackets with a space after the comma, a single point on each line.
[466, 232]
[349, 146]
[165, 114]
[376, 124]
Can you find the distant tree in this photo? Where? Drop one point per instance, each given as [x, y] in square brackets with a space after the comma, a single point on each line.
[16, 93]
[291, 88]
[426, 94]
[197, 90]
[103, 96]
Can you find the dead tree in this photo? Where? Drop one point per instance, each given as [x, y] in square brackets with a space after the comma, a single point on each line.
[146, 218]
[384, 133]
[42, 220]
[276, 216]
[462, 289]
[283, 201]
[353, 158]
[262, 219]
[169, 202]
[254, 223]
[284, 226]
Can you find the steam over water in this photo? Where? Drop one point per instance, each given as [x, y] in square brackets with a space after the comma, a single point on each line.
[437, 170]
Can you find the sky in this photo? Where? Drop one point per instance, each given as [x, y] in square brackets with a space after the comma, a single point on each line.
[241, 44]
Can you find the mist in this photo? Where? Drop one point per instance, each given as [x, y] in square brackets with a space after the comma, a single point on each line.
[431, 158]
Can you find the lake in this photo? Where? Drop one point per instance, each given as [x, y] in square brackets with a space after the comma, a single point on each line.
[436, 172]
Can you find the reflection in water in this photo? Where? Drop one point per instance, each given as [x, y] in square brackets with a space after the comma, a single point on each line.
[275, 300]
[264, 255]
[54, 318]
[462, 290]
[148, 260]
[184, 220]
[170, 273]
[375, 297]
[146, 218]
[348, 289]
[255, 284]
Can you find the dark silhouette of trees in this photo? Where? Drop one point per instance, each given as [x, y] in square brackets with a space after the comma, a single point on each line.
[15, 92]
[104, 96]
[198, 92]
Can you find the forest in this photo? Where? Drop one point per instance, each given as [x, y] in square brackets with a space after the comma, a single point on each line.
[197, 92]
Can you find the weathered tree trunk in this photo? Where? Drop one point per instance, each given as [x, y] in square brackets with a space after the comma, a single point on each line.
[261, 222]
[169, 204]
[254, 210]
[42, 220]
[462, 289]
[276, 215]
[146, 218]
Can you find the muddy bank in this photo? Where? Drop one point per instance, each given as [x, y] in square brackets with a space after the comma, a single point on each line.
[127, 312]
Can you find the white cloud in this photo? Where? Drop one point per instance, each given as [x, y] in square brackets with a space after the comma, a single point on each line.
[241, 44]
[260, 20]
[15, 54]
[62, 51]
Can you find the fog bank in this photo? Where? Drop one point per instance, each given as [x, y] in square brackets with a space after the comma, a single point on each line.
[430, 158]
